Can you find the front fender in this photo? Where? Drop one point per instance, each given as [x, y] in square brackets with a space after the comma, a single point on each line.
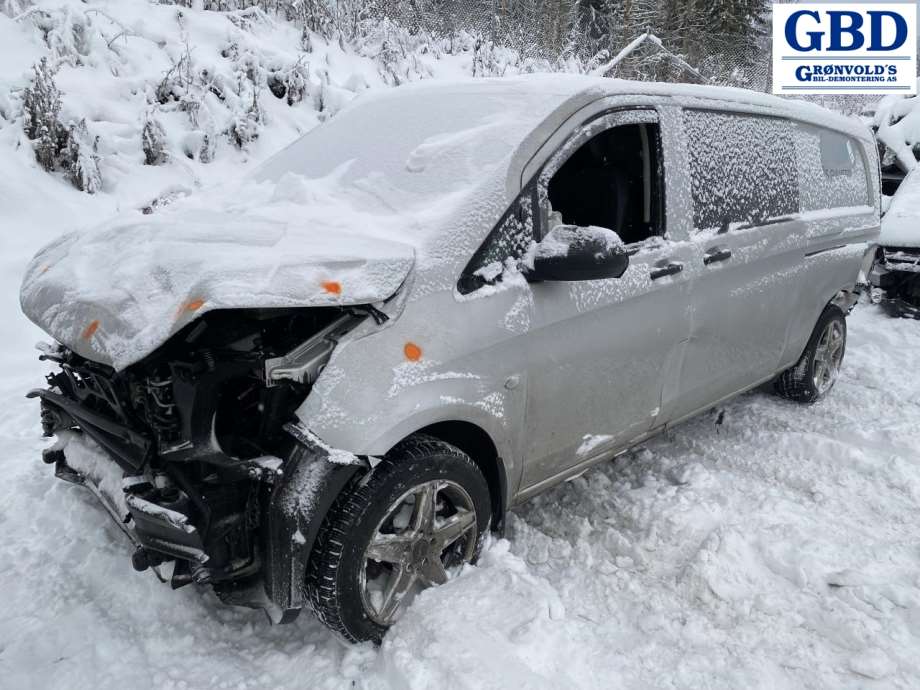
[495, 409]
[297, 506]
[446, 359]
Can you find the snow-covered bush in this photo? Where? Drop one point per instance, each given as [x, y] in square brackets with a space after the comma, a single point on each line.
[79, 158]
[245, 126]
[13, 8]
[69, 148]
[41, 107]
[153, 142]
[485, 62]
[396, 51]
[290, 83]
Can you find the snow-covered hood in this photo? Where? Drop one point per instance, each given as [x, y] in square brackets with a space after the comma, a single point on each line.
[114, 294]
[901, 223]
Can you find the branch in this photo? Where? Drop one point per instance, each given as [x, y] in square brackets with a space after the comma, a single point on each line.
[622, 55]
[678, 59]
[23, 15]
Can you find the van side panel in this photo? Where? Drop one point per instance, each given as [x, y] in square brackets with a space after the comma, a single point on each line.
[842, 203]
[445, 358]
[743, 195]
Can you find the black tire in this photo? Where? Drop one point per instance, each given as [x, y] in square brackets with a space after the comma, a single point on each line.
[798, 383]
[337, 563]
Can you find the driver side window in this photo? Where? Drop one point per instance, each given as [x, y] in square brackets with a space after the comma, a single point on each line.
[613, 180]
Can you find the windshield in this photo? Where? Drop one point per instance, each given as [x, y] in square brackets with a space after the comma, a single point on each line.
[418, 144]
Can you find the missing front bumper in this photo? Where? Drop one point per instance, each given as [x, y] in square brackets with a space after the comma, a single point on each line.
[155, 520]
[153, 536]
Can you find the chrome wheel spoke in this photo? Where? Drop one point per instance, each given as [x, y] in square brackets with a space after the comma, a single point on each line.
[836, 345]
[454, 527]
[820, 369]
[390, 548]
[432, 571]
[425, 505]
[828, 355]
[821, 351]
[401, 581]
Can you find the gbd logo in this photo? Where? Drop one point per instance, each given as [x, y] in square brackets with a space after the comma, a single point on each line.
[845, 48]
[846, 30]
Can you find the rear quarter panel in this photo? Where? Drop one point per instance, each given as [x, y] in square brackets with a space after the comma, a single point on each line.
[836, 243]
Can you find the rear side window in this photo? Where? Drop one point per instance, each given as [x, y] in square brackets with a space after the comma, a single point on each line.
[831, 170]
[742, 168]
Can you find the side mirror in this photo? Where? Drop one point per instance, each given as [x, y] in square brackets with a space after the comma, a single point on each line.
[570, 253]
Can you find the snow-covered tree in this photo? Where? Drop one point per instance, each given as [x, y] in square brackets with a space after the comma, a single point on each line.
[41, 107]
[79, 158]
[69, 148]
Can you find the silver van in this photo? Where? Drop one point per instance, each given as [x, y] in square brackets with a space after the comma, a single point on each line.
[322, 386]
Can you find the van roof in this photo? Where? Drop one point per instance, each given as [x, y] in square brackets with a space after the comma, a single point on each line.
[438, 145]
[572, 91]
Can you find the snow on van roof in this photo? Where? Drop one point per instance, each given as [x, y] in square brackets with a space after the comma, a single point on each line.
[559, 89]
[422, 140]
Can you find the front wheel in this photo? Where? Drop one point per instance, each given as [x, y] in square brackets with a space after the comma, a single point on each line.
[817, 370]
[422, 511]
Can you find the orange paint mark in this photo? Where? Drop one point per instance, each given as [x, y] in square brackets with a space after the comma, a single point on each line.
[333, 287]
[413, 352]
[91, 329]
[194, 305]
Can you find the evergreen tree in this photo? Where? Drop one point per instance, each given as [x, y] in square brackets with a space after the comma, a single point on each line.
[41, 107]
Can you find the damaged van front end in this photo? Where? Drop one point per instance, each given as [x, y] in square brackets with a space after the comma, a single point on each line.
[184, 365]
[209, 464]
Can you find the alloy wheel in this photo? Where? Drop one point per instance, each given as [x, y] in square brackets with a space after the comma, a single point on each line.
[828, 355]
[430, 528]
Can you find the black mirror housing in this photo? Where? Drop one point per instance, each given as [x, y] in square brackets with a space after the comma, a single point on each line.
[573, 253]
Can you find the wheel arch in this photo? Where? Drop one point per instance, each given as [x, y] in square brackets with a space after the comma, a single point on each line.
[478, 444]
[844, 300]
[287, 517]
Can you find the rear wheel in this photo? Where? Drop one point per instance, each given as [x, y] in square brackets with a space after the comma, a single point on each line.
[420, 513]
[817, 370]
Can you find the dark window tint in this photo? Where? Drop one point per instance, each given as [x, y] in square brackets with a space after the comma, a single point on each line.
[742, 168]
[504, 247]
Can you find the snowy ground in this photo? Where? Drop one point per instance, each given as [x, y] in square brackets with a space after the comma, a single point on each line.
[778, 549]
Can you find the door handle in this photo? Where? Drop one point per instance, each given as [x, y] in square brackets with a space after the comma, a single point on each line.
[668, 270]
[715, 255]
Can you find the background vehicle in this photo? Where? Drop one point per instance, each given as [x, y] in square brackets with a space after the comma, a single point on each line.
[897, 272]
[442, 302]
